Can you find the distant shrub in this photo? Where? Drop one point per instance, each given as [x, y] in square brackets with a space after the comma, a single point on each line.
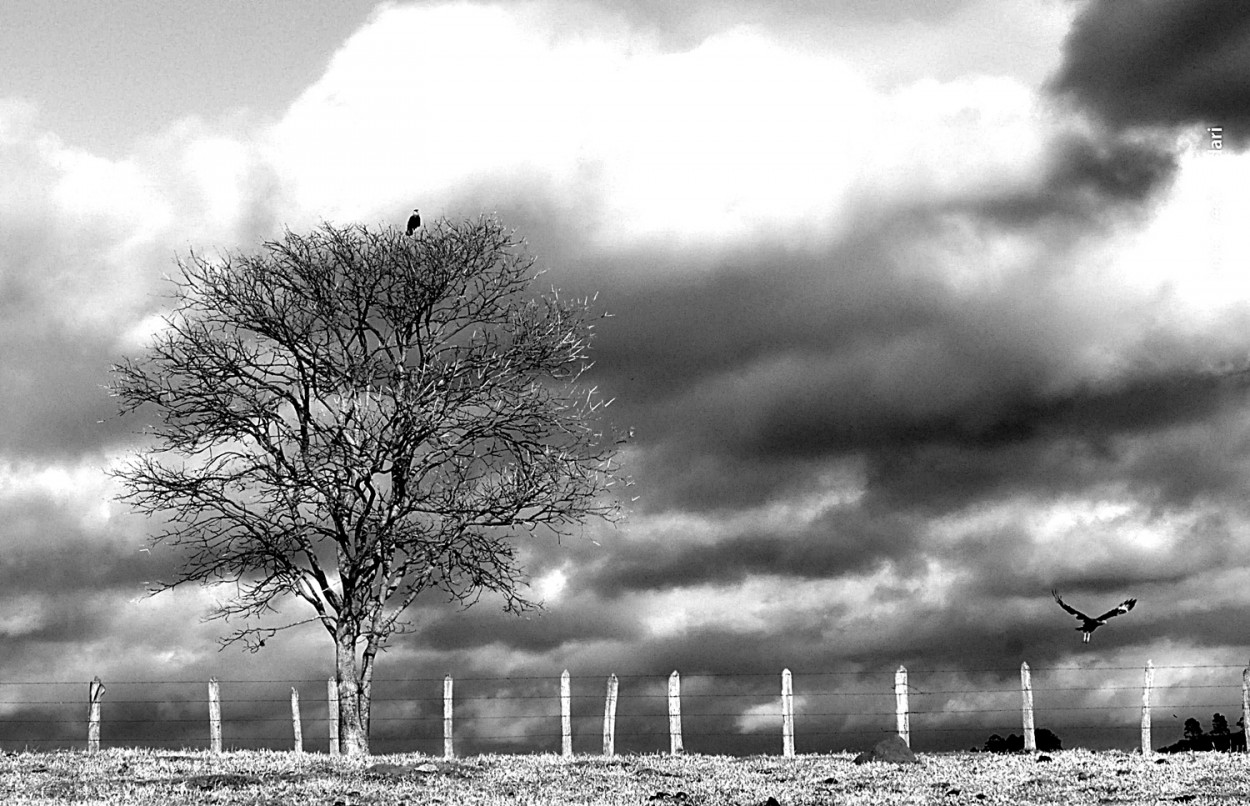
[1046, 741]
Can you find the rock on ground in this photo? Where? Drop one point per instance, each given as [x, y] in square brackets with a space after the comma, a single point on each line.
[891, 749]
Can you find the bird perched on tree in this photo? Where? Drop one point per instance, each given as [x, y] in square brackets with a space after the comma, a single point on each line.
[1088, 625]
[414, 221]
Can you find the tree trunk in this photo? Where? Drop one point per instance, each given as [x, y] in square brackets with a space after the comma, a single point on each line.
[353, 700]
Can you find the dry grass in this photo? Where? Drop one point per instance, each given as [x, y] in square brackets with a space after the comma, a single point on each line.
[145, 777]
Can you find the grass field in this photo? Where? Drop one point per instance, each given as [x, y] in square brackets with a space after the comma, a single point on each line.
[256, 778]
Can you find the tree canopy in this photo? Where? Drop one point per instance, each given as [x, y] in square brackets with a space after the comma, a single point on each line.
[351, 417]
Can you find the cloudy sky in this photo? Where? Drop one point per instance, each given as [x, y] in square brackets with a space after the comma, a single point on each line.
[919, 310]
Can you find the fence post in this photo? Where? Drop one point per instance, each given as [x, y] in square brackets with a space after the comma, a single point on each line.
[295, 721]
[674, 713]
[609, 717]
[566, 716]
[214, 715]
[1245, 706]
[448, 750]
[787, 714]
[1147, 683]
[332, 706]
[902, 717]
[1026, 694]
[95, 692]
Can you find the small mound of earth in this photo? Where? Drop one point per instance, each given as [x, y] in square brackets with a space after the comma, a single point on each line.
[891, 749]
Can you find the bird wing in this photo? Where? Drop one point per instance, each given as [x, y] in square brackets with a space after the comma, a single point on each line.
[1118, 610]
[1068, 607]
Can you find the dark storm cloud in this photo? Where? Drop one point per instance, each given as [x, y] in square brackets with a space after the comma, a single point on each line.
[743, 382]
[1154, 62]
[1001, 563]
[1088, 178]
[1113, 170]
[442, 628]
[47, 543]
[52, 395]
[847, 541]
[1139, 403]
[1052, 445]
[1002, 614]
[61, 305]
[702, 364]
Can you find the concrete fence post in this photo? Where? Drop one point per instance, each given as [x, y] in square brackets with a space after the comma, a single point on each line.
[95, 693]
[1245, 706]
[609, 717]
[902, 717]
[566, 716]
[296, 726]
[332, 705]
[214, 715]
[787, 714]
[449, 750]
[674, 714]
[1026, 697]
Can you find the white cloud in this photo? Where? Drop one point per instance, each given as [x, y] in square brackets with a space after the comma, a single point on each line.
[766, 716]
[94, 187]
[79, 487]
[1191, 253]
[551, 585]
[91, 237]
[219, 167]
[737, 137]
[870, 609]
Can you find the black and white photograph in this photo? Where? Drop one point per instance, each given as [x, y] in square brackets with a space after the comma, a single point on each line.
[578, 401]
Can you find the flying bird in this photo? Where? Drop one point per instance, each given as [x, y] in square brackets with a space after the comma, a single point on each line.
[1088, 625]
[414, 221]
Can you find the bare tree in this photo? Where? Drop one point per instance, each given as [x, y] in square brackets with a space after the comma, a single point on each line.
[351, 418]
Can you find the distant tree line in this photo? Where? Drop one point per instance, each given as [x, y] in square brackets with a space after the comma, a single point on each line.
[1220, 737]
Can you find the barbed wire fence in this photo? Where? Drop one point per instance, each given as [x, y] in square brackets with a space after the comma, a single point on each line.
[722, 713]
